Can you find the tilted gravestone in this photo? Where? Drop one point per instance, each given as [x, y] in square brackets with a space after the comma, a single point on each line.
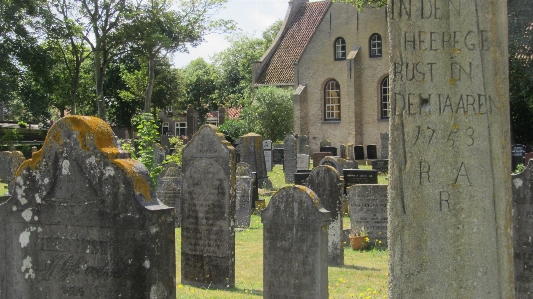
[252, 153]
[523, 232]
[368, 208]
[327, 185]
[9, 164]
[295, 241]
[168, 189]
[243, 194]
[384, 139]
[83, 221]
[450, 198]
[208, 211]
[289, 157]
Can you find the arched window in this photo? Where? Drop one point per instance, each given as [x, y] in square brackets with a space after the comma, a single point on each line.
[384, 98]
[340, 49]
[332, 101]
[375, 45]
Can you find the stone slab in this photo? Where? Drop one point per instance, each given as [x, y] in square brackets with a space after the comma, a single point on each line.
[168, 189]
[368, 208]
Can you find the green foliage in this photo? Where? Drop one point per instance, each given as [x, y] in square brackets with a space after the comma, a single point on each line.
[200, 87]
[148, 136]
[360, 4]
[519, 168]
[10, 136]
[234, 128]
[270, 114]
[22, 124]
[178, 145]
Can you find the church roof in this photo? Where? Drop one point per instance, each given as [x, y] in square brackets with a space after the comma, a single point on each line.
[279, 69]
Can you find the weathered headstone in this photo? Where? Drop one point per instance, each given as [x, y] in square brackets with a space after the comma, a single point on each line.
[289, 157]
[384, 139]
[277, 154]
[359, 152]
[343, 151]
[318, 156]
[368, 208]
[295, 242]
[359, 176]
[168, 189]
[84, 221]
[523, 232]
[208, 211]
[331, 149]
[325, 143]
[381, 165]
[243, 194]
[300, 177]
[350, 152]
[450, 197]
[252, 153]
[338, 163]
[303, 144]
[326, 183]
[518, 153]
[159, 154]
[267, 151]
[302, 162]
[9, 164]
[371, 152]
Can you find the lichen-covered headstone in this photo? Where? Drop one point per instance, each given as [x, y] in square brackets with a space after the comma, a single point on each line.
[368, 208]
[295, 241]
[83, 221]
[450, 200]
[289, 157]
[252, 153]
[208, 211]
[243, 194]
[325, 143]
[168, 189]
[523, 232]
[9, 164]
[325, 181]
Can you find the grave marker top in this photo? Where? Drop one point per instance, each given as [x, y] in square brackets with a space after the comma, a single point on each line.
[449, 150]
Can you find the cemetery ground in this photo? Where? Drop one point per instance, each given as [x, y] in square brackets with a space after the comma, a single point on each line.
[364, 274]
[3, 188]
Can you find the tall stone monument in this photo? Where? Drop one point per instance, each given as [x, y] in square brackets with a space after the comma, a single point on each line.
[449, 201]
[252, 153]
[84, 222]
[244, 178]
[208, 211]
[290, 153]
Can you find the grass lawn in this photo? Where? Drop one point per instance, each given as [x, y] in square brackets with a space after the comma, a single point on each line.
[3, 189]
[364, 274]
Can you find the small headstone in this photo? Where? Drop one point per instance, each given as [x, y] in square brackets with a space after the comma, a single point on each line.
[302, 162]
[339, 164]
[277, 154]
[523, 232]
[165, 143]
[208, 211]
[84, 221]
[303, 145]
[169, 189]
[359, 152]
[518, 153]
[350, 151]
[300, 177]
[384, 138]
[9, 164]
[371, 152]
[159, 154]
[381, 165]
[343, 151]
[243, 194]
[368, 208]
[295, 241]
[267, 151]
[325, 143]
[359, 176]
[318, 156]
[331, 149]
[289, 157]
[252, 153]
[326, 183]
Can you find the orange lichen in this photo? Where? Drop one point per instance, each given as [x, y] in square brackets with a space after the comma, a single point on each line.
[140, 185]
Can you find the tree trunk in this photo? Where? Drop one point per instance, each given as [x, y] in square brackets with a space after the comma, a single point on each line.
[150, 87]
[99, 77]
[75, 86]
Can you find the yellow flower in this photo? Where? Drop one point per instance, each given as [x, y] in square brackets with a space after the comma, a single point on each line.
[180, 286]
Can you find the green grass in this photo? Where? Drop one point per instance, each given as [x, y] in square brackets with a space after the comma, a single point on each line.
[3, 189]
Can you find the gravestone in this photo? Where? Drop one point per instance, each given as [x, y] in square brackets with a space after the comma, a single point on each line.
[289, 157]
[243, 194]
[368, 208]
[300, 177]
[518, 153]
[277, 154]
[302, 162]
[339, 164]
[267, 151]
[381, 165]
[168, 189]
[359, 152]
[208, 211]
[159, 154]
[384, 139]
[318, 156]
[523, 232]
[84, 221]
[343, 151]
[325, 143]
[371, 152]
[252, 153]
[449, 151]
[327, 185]
[359, 176]
[165, 143]
[350, 152]
[295, 242]
[9, 164]
[303, 145]
[331, 149]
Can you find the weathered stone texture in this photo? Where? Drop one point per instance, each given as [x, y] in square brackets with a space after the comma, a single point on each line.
[9, 164]
[252, 153]
[243, 194]
[83, 221]
[295, 240]
[368, 208]
[289, 157]
[208, 211]
[450, 218]
[168, 189]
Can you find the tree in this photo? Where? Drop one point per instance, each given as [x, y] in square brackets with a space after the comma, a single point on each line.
[199, 79]
[360, 4]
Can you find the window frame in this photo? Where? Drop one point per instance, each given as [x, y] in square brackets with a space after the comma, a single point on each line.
[177, 127]
[163, 126]
[342, 51]
[384, 98]
[376, 45]
[328, 111]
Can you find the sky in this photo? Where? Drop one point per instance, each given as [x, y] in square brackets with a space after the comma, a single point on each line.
[251, 16]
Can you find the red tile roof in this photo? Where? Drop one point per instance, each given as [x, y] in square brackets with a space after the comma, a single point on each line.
[280, 68]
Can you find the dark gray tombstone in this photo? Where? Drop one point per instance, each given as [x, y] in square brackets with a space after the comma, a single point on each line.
[518, 154]
[359, 176]
[165, 143]
[343, 151]
[295, 241]
[84, 221]
[368, 208]
[371, 152]
[243, 194]
[523, 232]
[384, 139]
[381, 165]
[327, 185]
[168, 189]
[303, 145]
[359, 152]
[300, 177]
[267, 151]
[339, 164]
[255, 190]
[289, 157]
[208, 211]
[159, 154]
[331, 149]
[252, 153]
[9, 164]
[277, 153]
